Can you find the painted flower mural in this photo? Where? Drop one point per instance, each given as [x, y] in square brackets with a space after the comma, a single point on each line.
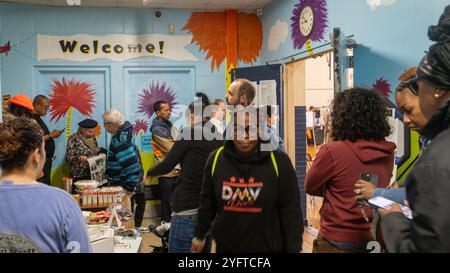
[217, 33]
[382, 87]
[156, 92]
[140, 126]
[320, 23]
[69, 94]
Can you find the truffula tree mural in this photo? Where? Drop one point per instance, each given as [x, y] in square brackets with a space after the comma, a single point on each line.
[140, 127]
[67, 95]
[382, 87]
[158, 91]
[232, 36]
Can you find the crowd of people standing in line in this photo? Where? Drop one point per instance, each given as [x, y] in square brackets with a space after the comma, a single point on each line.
[235, 192]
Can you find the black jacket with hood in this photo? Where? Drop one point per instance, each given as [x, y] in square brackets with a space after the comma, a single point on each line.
[428, 194]
[191, 154]
[254, 210]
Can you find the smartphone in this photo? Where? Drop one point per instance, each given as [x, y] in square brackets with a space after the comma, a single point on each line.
[369, 177]
[62, 131]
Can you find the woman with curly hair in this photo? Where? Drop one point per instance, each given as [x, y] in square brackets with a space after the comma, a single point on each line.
[359, 128]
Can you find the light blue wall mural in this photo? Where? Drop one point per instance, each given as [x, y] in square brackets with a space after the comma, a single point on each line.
[21, 24]
[117, 84]
[80, 92]
[150, 85]
[391, 37]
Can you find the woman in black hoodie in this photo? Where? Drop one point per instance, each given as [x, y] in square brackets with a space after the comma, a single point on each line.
[428, 185]
[252, 194]
[191, 151]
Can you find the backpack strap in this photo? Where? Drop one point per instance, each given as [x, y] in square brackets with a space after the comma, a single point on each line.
[216, 157]
[274, 162]
[219, 151]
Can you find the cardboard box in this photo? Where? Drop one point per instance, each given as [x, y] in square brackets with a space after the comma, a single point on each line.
[77, 198]
[102, 239]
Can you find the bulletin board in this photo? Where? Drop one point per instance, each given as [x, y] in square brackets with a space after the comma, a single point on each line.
[264, 75]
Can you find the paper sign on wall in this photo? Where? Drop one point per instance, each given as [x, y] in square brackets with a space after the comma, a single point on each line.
[267, 93]
[117, 47]
[309, 119]
[146, 143]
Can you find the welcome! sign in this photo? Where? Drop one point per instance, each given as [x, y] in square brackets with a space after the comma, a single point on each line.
[117, 47]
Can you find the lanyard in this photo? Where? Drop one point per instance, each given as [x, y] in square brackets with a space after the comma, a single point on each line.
[364, 213]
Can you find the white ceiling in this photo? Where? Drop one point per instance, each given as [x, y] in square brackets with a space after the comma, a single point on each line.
[168, 4]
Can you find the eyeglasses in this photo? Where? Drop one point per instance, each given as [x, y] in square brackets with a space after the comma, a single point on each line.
[411, 84]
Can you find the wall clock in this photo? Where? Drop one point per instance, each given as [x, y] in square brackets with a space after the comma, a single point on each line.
[309, 21]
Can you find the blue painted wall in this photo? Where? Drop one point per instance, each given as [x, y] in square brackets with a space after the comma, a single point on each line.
[21, 23]
[117, 83]
[390, 38]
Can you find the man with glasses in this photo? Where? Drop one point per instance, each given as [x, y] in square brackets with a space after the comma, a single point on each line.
[41, 106]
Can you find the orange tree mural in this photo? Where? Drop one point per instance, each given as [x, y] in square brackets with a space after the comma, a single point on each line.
[67, 95]
[227, 35]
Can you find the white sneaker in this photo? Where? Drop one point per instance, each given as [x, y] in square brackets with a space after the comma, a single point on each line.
[166, 226]
[162, 229]
[142, 229]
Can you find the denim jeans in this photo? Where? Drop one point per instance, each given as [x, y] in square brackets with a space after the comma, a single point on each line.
[182, 230]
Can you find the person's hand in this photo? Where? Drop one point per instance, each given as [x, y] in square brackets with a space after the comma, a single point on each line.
[391, 209]
[197, 245]
[364, 190]
[82, 158]
[55, 134]
[394, 185]
[129, 194]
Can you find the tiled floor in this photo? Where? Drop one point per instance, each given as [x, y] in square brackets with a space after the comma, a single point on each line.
[150, 240]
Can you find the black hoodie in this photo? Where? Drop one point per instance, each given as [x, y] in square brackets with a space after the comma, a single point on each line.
[255, 211]
[191, 155]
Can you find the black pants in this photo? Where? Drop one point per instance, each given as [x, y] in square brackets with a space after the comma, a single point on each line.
[166, 184]
[139, 200]
[47, 171]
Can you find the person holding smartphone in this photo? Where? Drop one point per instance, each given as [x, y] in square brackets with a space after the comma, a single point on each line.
[41, 105]
[359, 128]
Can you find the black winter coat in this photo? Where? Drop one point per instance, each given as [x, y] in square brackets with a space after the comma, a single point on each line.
[428, 194]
